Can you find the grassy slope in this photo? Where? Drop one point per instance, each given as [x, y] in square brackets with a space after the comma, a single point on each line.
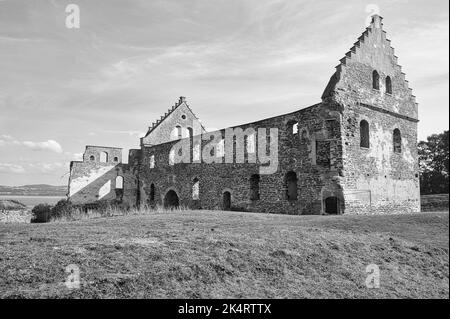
[434, 203]
[226, 254]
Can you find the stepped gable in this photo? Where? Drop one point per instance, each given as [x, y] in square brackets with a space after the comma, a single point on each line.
[181, 101]
[376, 23]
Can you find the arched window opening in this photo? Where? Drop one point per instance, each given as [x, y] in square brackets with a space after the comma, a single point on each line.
[92, 158]
[179, 131]
[103, 157]
[388, 85]
[291, 186]
[293, 128]
[364, 134]
[397, 141]
[152, 161]
[226, 201]
[116, 159]
[190, 132]
[196, 152]
[195, 189]
[375, 80]
[254, 187]
[152, 192]
[220, 148]
[119, 182]
[250, 143]
[172, 157]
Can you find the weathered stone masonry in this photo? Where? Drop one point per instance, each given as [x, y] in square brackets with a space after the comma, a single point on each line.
[353, 153]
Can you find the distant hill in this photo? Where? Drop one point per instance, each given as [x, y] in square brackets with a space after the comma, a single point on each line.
[33, 190]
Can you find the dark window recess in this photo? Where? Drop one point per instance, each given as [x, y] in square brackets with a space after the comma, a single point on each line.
[397, 141]
[388, 85]
[323, 153]
[226, 201]
[152, 192]
[375, 80]
[254, 187]
[291, 186]
[364, 134]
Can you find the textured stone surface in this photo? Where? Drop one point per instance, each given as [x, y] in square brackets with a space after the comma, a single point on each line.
[163, 129]
[333, 173]
[15, 216]
[94, 180]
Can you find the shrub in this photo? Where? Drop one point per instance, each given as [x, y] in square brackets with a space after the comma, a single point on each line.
[41, 213]
[62, 208]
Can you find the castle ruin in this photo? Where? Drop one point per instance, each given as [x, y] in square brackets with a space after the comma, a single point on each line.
[355, 152]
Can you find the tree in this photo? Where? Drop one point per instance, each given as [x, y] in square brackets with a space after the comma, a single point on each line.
[434, 164]
[41, 213]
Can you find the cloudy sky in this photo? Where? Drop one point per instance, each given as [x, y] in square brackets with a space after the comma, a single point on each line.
[236, 61]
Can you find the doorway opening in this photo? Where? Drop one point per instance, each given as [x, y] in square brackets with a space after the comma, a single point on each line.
[332, 205]
[226, 201]
[171, 200]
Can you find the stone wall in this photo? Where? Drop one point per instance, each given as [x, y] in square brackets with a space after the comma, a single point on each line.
[163, 130]
[92, 180]
[376, 179]
[296, 152]
[321, 166]
[15, 216]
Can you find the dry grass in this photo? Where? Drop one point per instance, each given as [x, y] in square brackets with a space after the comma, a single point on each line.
[203, 254]
[434, 203]
[77, 214]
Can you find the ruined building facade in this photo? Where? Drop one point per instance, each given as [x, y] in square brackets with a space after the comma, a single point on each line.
[355, 152]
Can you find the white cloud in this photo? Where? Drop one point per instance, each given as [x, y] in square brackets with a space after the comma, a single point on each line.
[6, 137]
[11, 168]
[50, 145]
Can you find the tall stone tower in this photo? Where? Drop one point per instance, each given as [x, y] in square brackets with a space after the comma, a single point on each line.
[378, 126]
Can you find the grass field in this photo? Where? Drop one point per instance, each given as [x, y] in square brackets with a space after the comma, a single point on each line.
[434, 203]
[204, 254]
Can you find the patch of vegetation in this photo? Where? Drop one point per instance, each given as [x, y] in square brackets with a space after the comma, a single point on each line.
[11, 204]
[216, 254]
[41, 213]
[65, 211]
[434, 164]
[434, 203]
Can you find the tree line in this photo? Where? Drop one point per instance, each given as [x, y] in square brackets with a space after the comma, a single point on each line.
[433, 164]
